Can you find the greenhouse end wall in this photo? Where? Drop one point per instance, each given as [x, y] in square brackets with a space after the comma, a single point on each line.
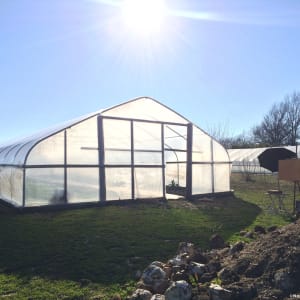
[127, 152]
[11, 185]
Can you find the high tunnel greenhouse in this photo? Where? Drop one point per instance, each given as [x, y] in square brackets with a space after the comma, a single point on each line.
[135, 150]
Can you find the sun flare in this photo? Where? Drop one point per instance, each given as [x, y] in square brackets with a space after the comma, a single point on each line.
[144, 17]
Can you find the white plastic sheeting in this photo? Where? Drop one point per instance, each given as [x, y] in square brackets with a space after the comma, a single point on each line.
[130, 151]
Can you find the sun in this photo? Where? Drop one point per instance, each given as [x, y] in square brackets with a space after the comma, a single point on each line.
[144, 17]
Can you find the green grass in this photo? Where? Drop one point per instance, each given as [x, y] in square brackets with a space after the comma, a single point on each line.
[80, 254]
[254, 192]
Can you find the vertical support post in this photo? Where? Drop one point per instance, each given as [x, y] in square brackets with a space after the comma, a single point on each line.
[101, 158]
[294, 204]
[24, 186]
[189, 161]
[132, 160]
[163, 161]
[212, 166]
[65, 168]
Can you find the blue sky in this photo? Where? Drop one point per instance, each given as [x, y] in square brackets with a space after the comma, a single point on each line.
[218, 63]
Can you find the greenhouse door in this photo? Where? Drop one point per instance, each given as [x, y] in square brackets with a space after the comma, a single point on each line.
[131, 159]
[177, 171]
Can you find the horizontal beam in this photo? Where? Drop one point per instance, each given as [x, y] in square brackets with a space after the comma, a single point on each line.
[144, 121]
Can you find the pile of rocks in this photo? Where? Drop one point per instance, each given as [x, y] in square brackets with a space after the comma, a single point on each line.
[267, 268]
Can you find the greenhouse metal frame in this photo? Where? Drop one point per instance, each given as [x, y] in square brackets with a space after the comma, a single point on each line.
[136, 150]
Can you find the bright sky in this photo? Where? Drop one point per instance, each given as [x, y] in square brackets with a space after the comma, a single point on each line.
[215, 62]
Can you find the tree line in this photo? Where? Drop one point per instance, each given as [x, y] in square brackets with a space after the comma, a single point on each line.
[279, 127]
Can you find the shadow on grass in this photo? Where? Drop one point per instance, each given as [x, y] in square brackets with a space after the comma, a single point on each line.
[229, 214]
[109, 244]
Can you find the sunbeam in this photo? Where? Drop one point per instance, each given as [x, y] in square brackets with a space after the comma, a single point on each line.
[286, 18]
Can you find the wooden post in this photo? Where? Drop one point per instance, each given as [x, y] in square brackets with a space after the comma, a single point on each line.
[289, 170]
[294, 208]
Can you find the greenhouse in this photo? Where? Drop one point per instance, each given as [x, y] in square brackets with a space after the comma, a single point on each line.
[140, 149]
[246, 160]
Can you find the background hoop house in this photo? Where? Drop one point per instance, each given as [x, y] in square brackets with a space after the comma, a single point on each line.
[269, 159]
[130, 151]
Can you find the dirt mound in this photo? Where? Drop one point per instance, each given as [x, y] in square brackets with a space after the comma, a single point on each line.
[270, 265]
[266, 268]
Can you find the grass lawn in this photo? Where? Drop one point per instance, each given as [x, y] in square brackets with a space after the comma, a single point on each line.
[83, 253]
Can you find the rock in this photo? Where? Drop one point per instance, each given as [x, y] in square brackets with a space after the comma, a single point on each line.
[152, 274]
[216, 292]
[158, 297]
[259, 229]
[141, 294]
[241, 265]
[224, 252]
[267, 294]
[154, 279]
[243, 292]
[207, 277]
[272, 228]
[243, 232]
[188, 248]
[197, 269]
[199, 258]
[168, 270]
[237, 247]
[157, 264]
[216, 242]
[227, 275]
[255, 270]
[191, 252]
[283, 280]
[267, 268]
[180, 275]
[213, 266]
[179, 260]
[176, 269]
[179, 290]
[249, 235]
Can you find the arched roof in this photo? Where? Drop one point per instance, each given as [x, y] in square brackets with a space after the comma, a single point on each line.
[145, 108]
[142, 108]
[14, 152]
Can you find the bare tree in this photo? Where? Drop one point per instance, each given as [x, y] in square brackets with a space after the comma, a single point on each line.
[243, 140]
[222, 134]
[281, 124]
[248, 169]
[293, 117]
[273, 130]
